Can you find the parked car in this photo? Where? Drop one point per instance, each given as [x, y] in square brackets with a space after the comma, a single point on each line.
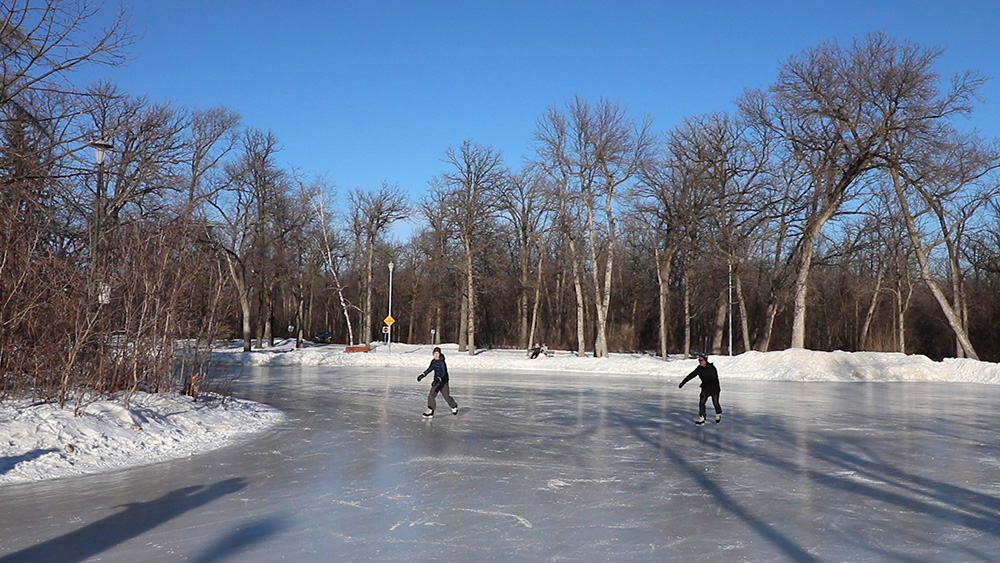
[324, 337]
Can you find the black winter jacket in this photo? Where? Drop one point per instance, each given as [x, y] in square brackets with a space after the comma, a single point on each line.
[709, 378]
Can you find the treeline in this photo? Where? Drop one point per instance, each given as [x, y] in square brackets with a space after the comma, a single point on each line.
[848, 206]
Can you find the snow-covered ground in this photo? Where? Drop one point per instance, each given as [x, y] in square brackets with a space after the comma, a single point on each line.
[787, 365]
[41, 441]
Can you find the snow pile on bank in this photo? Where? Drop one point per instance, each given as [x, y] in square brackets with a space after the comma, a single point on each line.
[42, 441]
[785, 365]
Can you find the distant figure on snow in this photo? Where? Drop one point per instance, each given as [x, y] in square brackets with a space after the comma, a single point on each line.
[709, 388]
[439, 385]
[535, 351]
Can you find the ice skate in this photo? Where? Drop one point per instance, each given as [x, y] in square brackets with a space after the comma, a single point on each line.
[454, 410]
[428, 414]
[718, 418]
[700, 420]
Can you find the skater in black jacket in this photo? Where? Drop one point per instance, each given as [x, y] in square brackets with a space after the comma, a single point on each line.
[439, 385]
[709, 388]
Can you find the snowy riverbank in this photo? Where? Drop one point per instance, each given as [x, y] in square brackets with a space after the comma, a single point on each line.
[786, 365]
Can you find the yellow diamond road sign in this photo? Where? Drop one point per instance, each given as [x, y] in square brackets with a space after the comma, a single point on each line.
[389, 320]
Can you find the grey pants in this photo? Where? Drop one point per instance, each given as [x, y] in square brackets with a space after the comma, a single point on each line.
[432, 403]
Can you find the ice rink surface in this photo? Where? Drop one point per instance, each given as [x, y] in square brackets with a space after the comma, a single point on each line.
[544, 467]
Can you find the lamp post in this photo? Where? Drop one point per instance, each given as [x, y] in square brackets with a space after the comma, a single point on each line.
[101, 148]
[389, 319]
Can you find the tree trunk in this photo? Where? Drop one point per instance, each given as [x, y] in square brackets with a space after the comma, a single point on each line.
[463, 324]
[764, 343]
[744, 321]
[366, 327]
[718, 336]
[809, 238]
[581, 344]
[471, 284]
[927, 275]
[538, 298]
[663, 262]
[602, 291]
[436, 337]
[243, 294]
[687, 315]
[522, 299]
[872, 304]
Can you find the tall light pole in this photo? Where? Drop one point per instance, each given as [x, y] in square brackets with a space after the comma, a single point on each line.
[101, 148]
[389, 319]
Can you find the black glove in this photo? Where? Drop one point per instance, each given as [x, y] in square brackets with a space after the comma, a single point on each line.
[437, 383]
[421, 376]
[681, 386]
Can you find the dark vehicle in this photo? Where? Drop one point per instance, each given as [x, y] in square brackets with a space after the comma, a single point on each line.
[324, 337]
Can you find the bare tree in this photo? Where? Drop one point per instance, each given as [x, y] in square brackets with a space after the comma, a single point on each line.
[946, 188]
[373, 212]
[333, 249]
[553, 137]
[212, 135]
[42, 42]
[594, 151]
[526, 204]
[476, 177]
[834, 106]
[667, 205]
[733, 163]
[239, 226]
[438, 239]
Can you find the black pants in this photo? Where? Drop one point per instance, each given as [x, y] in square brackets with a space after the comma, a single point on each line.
[432, 403]
[704, 399]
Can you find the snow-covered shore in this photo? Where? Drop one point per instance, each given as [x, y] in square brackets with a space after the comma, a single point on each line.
[43, 441]
[786, 365]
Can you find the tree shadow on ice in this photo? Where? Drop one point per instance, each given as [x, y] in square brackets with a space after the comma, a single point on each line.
[861, 470]
[136, 519]
[852, 466]
[640, 423]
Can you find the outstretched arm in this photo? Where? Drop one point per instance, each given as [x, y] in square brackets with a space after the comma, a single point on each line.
[688, 378]
[425, 372]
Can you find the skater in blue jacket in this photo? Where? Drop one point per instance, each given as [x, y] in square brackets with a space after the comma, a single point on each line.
[439, 385]
[709, 388]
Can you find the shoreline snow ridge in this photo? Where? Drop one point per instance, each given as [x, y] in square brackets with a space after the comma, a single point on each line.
[784, 365]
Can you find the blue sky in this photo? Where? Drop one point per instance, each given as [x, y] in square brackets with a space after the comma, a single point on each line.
[371, 91]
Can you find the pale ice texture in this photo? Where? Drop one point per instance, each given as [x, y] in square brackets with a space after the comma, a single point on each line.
[819, 457]
[38, 438]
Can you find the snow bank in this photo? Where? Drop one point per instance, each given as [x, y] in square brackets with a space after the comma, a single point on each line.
[786, 365]
[42, 441]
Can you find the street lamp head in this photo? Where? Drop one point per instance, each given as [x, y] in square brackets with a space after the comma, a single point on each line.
[390, 266]
[101, 147]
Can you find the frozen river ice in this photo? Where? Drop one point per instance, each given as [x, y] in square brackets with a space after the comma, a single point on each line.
[544, 467]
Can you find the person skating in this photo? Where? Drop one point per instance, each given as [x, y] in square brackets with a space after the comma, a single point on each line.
[709, 388]
[439, 385]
